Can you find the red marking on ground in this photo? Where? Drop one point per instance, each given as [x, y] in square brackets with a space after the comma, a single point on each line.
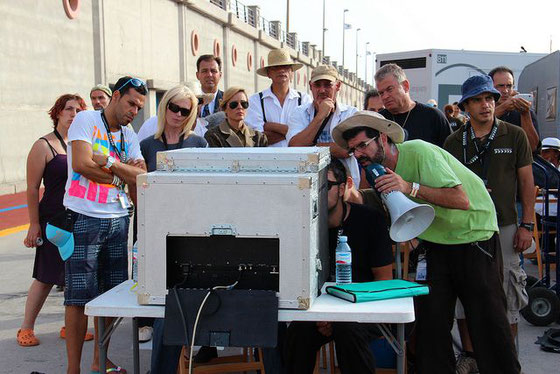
[16, 217]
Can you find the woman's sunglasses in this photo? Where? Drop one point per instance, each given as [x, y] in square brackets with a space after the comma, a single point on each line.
[176, 108]
[234, 104]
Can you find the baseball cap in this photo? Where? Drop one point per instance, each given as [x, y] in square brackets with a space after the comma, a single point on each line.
[102, 87]
[327, 72]
[63, 239]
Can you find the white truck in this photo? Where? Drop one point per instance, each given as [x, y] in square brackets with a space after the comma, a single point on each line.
[439, 73]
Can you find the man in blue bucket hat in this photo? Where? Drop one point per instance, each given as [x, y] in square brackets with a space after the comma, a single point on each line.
[500, 154]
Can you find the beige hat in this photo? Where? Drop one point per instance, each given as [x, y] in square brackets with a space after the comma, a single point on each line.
[196, 88]
[103, 88]
[367, 118]
[279, 57]
[327, 72]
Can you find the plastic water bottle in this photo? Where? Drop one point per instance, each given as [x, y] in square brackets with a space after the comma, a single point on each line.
[135, 262]
[343, 261]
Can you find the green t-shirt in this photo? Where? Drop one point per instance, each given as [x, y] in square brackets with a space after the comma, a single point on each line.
[431, 166]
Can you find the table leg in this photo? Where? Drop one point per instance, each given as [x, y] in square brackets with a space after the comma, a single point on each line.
[102, 345]
[396, 343]
[401, 356]
[135, 346]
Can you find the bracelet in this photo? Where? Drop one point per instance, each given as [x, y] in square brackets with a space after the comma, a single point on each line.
[415, 189]
[116, 181]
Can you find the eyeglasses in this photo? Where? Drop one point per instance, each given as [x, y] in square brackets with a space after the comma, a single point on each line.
[200, 100]
[360, 147]
[176, 108]
[134, 81]
[331, 184]
[235, 104]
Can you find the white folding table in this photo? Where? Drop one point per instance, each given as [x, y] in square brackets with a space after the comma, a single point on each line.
[121, 302]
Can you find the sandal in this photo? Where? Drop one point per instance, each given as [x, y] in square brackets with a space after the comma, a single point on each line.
[27, 338]
[116, 369]
[89, 336]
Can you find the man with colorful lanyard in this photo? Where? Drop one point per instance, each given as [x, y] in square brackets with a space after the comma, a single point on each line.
[103, 157]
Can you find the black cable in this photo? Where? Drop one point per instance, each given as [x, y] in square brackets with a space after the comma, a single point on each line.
[182, 314]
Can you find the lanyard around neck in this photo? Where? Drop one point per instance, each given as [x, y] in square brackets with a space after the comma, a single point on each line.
[120, 153]
[479, 152]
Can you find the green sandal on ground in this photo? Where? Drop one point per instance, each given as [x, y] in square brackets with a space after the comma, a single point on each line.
[116, 369]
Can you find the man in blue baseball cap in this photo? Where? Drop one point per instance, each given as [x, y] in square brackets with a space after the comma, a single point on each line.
[500, 154]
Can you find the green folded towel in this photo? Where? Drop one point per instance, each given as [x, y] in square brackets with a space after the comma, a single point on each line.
[379, 290]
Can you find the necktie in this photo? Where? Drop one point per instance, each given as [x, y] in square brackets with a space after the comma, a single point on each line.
[205, 111]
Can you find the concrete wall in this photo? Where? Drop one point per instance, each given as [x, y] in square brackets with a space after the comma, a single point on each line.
[46, 54]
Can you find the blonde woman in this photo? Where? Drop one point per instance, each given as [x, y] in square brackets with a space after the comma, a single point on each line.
[175, 119]
[233, 132]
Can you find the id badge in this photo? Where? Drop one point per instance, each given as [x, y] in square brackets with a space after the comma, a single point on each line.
[123, 199]
[421, 271]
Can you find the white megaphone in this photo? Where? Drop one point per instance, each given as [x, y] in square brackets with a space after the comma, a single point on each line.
[408, 219]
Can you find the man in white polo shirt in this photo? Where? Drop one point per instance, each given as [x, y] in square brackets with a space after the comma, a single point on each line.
[312, 124]
[270, 109]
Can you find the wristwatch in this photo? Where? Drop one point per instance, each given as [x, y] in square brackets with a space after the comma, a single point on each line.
[110, 161]
[527, 225]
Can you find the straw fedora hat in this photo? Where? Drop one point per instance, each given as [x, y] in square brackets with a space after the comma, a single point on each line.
[366, 118]
[279, 57]
[195, 87]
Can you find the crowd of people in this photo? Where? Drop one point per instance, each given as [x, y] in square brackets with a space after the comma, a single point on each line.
[473, 167]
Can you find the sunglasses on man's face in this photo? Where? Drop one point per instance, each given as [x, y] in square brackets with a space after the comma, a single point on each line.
[331, 184]
[176, 108]
[234, 104]
[133, 81]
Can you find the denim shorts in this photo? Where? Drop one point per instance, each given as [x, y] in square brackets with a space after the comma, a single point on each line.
[99, 261]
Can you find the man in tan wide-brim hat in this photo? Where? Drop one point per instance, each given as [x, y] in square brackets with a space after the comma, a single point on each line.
[279, 57]
[270, 109]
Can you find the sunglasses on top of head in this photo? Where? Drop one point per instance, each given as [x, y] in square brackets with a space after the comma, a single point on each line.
[134, 81]
[176, 108]
[235, 104]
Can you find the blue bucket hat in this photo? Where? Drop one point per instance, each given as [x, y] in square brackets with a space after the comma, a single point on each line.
[476, 85]
[63, 239]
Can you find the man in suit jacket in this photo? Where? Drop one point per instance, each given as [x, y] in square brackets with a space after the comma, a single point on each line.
[209, 73]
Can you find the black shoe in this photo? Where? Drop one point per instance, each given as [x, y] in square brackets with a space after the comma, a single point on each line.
[205, 354]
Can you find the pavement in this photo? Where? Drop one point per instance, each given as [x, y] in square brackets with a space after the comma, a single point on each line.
[16, 264]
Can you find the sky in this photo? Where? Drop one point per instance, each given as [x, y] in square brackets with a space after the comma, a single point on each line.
[407, 25]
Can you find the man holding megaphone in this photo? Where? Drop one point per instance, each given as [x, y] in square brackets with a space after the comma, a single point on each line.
[463, 249]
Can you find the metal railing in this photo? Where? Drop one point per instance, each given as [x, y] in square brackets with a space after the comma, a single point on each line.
[249, 15]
